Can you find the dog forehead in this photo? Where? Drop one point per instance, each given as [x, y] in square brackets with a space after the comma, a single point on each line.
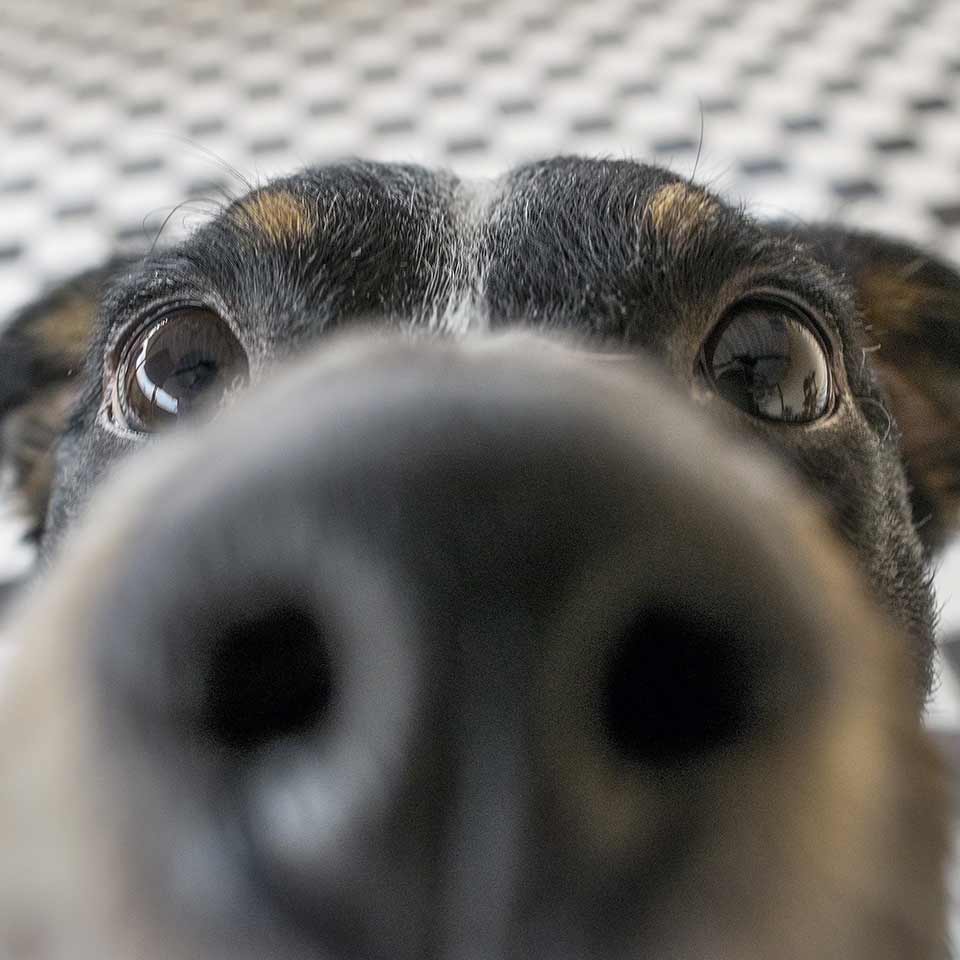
[552, 237]
[583, 195]
[277, 216]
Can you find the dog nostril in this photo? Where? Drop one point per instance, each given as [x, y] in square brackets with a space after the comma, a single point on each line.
[270, 678]
[677, 687]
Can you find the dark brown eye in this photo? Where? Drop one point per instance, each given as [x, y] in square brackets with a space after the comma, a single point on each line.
[766, 359]
[187, 359]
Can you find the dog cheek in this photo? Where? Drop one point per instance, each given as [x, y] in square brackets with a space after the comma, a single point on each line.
[874, 517]
[859, 479]
[84, 455]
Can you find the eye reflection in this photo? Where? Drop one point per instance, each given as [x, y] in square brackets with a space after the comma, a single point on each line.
[187, 359]
[766, 360]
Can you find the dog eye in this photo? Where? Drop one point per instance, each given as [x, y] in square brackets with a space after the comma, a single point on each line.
[767, 359]
[188, 358]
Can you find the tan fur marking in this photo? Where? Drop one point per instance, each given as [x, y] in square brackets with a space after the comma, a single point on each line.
[678, 211]
[278, 216]
[28, 435]
[892, 299]
[920, 385]
[63, 332]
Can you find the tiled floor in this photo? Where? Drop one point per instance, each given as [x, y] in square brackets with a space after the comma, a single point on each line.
[122, 117]
[114, 112]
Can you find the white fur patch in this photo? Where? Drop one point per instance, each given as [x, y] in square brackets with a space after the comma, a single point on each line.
[460, 305]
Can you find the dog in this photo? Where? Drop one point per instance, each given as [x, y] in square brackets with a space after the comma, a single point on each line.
[540, 567]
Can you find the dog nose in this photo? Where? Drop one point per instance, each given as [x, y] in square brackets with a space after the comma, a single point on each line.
[436, 649]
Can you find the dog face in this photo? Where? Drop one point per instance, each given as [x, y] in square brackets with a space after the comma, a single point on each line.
[621, 257]
[510, 484]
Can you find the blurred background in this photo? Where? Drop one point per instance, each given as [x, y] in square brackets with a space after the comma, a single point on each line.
[114, 112]
[125, 121]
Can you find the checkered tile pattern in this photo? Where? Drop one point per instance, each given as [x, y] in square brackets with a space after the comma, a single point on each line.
[114, 112]
[122, 120]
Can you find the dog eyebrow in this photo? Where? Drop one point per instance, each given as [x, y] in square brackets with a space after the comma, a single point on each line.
[679, 211]
[277, 215]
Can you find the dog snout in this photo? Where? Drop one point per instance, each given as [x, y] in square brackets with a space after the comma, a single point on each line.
[478, 651]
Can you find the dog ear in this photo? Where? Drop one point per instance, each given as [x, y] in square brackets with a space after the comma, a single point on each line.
[910, 306]
[42, 352]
